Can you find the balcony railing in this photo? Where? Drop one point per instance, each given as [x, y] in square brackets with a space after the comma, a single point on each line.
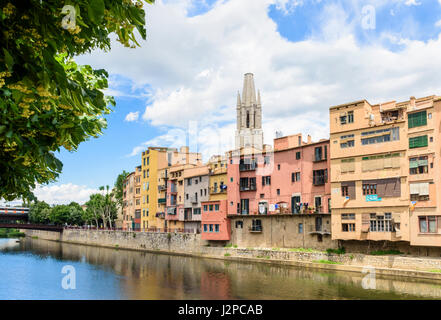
[193, 199]
[217, 190]
[162, 200]
[247, 167]
[319, 180]
[162, 187]
[255, 229]
[251, 187]
[160, 215]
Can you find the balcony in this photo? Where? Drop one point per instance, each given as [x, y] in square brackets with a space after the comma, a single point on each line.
[247, 167]
[218, 191]
[319, 159]
[162, 200]
[319, 180]
[255, 229]
[162, 187]
[318, 229]
[160, 215]
[193, 199]
[251, 187]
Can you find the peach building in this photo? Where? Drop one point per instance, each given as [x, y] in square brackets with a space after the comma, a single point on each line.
[215, 224]
[128, 222]
[385, 172]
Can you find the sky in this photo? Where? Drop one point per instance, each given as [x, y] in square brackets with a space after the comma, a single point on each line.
[180, 87]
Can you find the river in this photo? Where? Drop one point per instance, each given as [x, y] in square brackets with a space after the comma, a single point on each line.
[32, 269]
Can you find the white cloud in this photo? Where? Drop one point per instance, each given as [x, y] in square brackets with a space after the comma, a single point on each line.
[64, 193]
[195, 66]
[132, 116]
[412, 3]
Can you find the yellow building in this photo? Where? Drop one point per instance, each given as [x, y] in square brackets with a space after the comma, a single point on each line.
[155, 161]
[218, 178]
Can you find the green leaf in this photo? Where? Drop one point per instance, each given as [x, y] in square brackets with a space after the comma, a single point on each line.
[8, 59]
[96, 11]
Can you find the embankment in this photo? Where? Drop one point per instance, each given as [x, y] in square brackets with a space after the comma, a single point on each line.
[192, 245]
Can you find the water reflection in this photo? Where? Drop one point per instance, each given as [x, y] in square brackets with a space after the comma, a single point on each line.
[140, 275]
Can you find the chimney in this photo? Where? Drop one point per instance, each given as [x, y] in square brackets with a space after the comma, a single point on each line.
[412, 102]
[309, 139]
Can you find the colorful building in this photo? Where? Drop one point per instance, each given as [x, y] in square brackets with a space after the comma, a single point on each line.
[215, 224]
[129, 202]
[385, 173]
[155, 160]
[196, 185]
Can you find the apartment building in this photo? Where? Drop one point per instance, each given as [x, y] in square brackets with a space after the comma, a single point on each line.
[137, 198]
[162, 197]
[128, 222]
[196, 190]
[385, 173]
[289, 179]
[175, 196]
[154, 161]
[215, 224]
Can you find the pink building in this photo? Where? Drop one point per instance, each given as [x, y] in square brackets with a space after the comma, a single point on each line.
[215, 224]
[291, 179]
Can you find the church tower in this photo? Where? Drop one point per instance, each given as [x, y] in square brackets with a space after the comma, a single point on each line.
[249, 116]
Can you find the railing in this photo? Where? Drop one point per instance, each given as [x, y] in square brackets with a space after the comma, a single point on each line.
[217, 190]
[255, 229]
[160, 215]
[319, 180]
[248, 188]
[247, 167]
[171, 230]
[162, 200]
[162, 187]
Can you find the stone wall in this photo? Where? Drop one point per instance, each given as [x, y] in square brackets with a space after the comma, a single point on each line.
[283, 231]
[191, 244]
[40, 234]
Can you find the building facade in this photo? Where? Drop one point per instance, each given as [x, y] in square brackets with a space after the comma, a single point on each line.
[385, 172]
[196, 190]
[215, 224]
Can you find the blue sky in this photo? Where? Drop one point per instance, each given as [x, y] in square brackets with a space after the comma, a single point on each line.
[305, 55]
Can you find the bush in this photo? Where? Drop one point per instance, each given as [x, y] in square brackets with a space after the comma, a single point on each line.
[326, 262]
[228, 245]
[341, 250]
[227, 255]
[16, 234]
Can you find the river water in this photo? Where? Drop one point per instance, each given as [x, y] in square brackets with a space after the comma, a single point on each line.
[32, 269]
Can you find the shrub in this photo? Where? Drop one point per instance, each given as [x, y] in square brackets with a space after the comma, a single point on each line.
[235, 246]
[227, 255]
[229, 245]
[341, 250]
[326, 262]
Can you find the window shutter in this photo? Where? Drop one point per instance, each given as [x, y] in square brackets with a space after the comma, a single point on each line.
[424, 189]
[365, 222]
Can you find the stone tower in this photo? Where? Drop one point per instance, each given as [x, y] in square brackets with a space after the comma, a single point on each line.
[249, 116]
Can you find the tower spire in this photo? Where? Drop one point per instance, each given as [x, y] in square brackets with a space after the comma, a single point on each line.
[238, 99]
[249, 92]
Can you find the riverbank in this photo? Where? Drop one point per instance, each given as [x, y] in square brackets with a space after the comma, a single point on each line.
[186, 244]
[11, 233]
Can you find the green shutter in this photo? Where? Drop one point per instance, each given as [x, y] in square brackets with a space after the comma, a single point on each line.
[413, 164]
[418, 142]
[417, 119]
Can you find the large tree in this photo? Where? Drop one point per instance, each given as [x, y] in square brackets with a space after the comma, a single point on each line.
[119, 186]
[47, 101]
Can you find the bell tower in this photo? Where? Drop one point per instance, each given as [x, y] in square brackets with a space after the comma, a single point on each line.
[249, 116]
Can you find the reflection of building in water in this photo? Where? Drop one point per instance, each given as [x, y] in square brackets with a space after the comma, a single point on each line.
[215, 285]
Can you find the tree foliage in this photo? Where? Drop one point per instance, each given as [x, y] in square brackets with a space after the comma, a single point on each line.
[119, 186]
[47, 101]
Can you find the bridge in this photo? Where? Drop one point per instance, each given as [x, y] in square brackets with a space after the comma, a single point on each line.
[18, 218]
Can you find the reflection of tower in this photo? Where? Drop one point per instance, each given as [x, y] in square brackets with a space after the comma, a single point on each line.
[249, 116]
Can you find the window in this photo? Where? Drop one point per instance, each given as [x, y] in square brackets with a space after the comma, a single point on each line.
[369, 188]
[419, 165]
[197, 211]
[211, 228]
[278, 167]
[216, 228]
[266, 180]
[256, 225]
[211, 207]
[419, 191]
[348, 216]
[417, 119]
[298, 155]
[343, 119]
[278, 192]
[266, 160]
[348, 227]
[381, 222]
[295, 176]
[300, 227]
[428, 224]
[418, 142]
[205, 207]
[262, 195]
[205, 228]
[318, 156]
[189, 182]
[347, 144]
[244, 206]
[351, 117]
[239, 224]
[344, 191]
[320, 177]
[216, 207]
